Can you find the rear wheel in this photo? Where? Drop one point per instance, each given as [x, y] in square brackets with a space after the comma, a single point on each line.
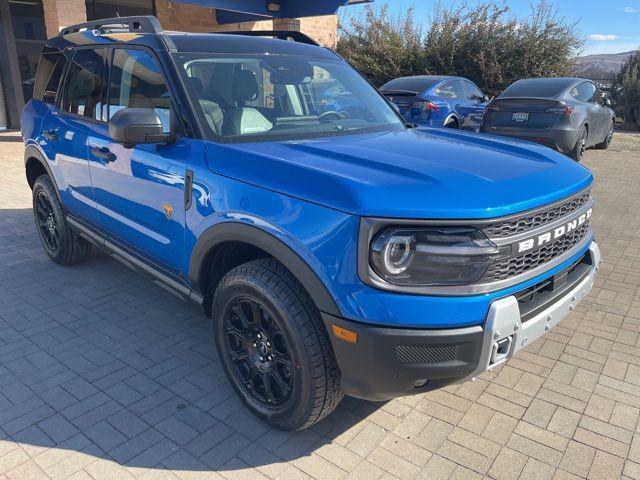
[274, 346]
[581, 145]
[607, 141]
[452, 123]
[60, 243]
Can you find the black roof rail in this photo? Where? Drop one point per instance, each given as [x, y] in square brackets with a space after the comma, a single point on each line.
[138, 24]
[290, 35]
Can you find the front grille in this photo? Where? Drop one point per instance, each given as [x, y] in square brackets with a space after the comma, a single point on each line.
[530, 260]
[417, 354]
[522, 224]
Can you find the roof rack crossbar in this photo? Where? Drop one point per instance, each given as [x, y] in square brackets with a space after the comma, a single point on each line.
[291, 35]
[137, 24]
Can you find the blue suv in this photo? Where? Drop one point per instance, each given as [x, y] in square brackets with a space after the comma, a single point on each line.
[438, 101]
[336, 250]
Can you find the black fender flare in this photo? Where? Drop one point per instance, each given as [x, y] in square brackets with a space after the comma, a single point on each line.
[32, 152]
[257, 237]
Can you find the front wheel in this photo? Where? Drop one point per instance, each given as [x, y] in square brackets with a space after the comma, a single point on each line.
[60, 243]
[274, 346]
[581, 145]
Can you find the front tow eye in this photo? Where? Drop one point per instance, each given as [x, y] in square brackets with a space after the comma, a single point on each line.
[501, 349]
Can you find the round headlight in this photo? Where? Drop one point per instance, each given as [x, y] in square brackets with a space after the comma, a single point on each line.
[392, 252]
[397, 254]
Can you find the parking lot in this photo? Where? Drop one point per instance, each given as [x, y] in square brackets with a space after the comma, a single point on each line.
[104, 375]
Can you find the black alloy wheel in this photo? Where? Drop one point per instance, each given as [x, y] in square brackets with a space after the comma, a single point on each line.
[60, 243]
[46, 223]
[259, 352]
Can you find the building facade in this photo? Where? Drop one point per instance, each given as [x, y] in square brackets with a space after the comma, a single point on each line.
[26, 24]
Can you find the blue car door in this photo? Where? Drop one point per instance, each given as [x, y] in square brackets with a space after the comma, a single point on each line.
[67, 127]
[139, 191]
[461, 104]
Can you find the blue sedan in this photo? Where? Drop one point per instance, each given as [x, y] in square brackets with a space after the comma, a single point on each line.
[438, 101]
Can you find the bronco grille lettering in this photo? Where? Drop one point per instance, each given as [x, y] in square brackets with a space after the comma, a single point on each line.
[558, 232]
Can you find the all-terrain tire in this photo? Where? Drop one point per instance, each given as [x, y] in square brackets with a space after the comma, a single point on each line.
[315, 378]
[48, 212]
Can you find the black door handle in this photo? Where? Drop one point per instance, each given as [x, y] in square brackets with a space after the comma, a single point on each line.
[103, 154]
[50, 135]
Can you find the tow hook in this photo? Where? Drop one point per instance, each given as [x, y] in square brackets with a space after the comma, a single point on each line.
[501, 349]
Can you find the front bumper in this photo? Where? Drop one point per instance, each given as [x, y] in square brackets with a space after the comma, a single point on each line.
[385, 363]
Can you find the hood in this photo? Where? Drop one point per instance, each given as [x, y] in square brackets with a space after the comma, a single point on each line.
[413, 173]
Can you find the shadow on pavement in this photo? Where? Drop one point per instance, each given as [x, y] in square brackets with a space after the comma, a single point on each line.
[10, 138]
[96, 359]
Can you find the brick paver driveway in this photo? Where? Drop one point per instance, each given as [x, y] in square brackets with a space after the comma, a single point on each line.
[104, 375]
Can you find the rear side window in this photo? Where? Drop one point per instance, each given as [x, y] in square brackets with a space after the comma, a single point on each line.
[50, 68]
[451, 89]
[83, 89]
[137, 82]
[585, 92]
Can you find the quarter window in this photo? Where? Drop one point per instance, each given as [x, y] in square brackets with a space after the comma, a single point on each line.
[584, 92]
[137, 82]
[83, 92]
[50, 70]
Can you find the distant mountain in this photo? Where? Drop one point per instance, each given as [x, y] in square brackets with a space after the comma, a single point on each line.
[602, 65]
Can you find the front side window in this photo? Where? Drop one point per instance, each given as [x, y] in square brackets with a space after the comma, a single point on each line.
[473, 92]
[260, 97]
[83, 91]
[137, 82]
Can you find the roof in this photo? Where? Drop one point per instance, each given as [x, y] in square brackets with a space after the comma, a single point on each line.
[148, 32]
[237, 43]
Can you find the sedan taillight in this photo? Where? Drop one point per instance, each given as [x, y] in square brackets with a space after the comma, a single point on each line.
[563, 110]
[429, 106]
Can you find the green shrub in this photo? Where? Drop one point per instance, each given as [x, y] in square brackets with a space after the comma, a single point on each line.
[625, 91]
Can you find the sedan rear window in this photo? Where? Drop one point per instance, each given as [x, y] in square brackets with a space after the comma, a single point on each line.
[537, 88]
[413, 85]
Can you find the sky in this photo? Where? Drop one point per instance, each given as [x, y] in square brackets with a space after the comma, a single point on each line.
[609, 26]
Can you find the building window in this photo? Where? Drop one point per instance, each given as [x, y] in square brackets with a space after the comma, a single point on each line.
[97, 9]
[27, 17]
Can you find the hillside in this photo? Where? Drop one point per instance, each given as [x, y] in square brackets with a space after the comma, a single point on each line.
[603, 65]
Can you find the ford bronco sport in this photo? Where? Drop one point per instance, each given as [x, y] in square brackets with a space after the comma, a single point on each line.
[336, 249]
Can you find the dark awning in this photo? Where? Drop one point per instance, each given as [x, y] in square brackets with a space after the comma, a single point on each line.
[235, 11]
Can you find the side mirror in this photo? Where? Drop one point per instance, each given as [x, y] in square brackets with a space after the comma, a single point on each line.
[607, 102]
[134, 126]
[485, 99]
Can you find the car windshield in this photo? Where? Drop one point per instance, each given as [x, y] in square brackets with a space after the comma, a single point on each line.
[268, 97]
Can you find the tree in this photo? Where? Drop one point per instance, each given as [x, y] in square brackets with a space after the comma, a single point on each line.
[481, 42]
[625, 91]
[382, 47]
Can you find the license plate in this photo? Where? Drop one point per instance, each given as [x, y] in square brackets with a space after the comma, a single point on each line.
[520, 117]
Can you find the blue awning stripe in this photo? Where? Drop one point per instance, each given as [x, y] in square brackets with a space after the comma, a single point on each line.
[234, 11]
